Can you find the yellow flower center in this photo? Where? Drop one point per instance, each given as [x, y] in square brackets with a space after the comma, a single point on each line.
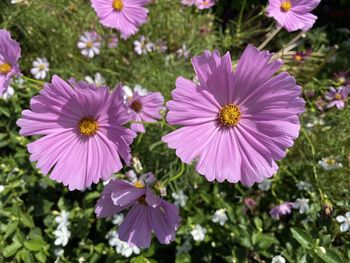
[286, 6]
[118, 5]
[298, 58]
[88, 126]
[338, 96]
[230, 115]
[136, 106]
[330, 161]
[5, 68]
[139, 184]
[42, 67]
[89, 44]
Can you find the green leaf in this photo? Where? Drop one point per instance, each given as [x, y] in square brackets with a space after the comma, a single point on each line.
[258, 223]
[41, 257]
[26, 256]
[303, 238]
[263, 241]
[328, 255]
[10, 250]
[27, 220]
[11, 228]
[35, 244]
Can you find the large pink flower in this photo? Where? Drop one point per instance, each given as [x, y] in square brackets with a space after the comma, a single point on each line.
[10, 52]
[124, 15]
[147, 213]
[236, 124]
[293, 14]
[84, 138]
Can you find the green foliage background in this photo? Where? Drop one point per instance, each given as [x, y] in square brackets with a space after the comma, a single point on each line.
[52, 28]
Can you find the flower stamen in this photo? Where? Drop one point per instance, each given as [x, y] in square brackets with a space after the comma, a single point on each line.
[136, 106]
[230, 115]
[88, 126]
[118, 5]
[286, 6]
[5, 68]
[139, 184]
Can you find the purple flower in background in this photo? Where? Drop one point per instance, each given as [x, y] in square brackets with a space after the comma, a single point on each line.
[83, 135]
[188, 2]
[10, 52]
[205, 4]
[147, 213]
[293, 14]
[281, 210]
[342, 77]
[112, 41]
[124, 15]
[143, 106]
[337, 97]
[236, 124]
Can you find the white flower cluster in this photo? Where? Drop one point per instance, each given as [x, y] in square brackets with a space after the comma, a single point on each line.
[121, 247]
[198, 233]
[180, 198]
[220, 217]
[62, 234]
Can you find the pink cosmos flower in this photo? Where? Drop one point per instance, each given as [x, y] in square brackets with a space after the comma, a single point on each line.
[143, 106]
[236, 124]
[337, 97]
[293, 14]
[147, 213]
[281, 210]
[10, 52]
[83, 135]
[205, 4]
[124, 15]
[188, 2]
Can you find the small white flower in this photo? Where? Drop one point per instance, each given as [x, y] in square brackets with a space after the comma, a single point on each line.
[183, 52]
[62, 219]
[99, 81]
[89, 43]
[180, 198]
[136, 164]
[81, 260]
[121, 247]
[198, 233]
[143, 46]
[304, 186]
[62, 236]
[345, 220]
[140, 90]
[329, 163]
[18, 1]
[278, 259]
[8, 93]
[58, 252]
[117, 219]
[302, 204]
[220, 217]
[40, 68]
[265, 185]
[2, 188]
[184, 248]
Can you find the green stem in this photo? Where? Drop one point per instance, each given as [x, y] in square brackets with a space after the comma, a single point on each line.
[33, 80]
[178, 175]
[313, 152]
[269, 37]
[241, 16]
